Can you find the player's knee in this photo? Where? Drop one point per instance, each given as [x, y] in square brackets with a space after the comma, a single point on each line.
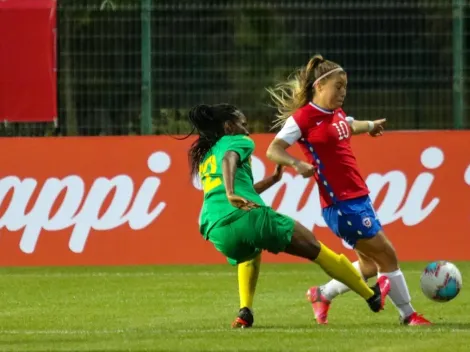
[381, 252]
[303, 246]
[312, 245]
[314, 249]
[254, 263]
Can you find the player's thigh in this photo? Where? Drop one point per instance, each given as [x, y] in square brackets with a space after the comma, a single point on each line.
[369, 247]
[271, 230]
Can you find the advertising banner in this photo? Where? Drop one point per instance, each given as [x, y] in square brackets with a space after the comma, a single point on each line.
[130, 200]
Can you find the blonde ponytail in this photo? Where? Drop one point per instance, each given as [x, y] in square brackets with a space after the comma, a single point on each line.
[298, 90]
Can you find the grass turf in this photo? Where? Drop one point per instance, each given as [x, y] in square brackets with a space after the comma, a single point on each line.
[190, 308]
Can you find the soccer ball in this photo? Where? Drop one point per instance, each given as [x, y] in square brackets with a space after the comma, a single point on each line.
[441, 281]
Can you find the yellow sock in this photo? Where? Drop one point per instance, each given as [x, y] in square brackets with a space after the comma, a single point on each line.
[340, 268]
[248, 273]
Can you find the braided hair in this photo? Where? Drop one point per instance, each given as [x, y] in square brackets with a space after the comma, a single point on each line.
[209, 122]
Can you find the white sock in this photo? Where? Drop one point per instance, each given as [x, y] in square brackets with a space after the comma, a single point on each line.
[334, 288]
[399, 293]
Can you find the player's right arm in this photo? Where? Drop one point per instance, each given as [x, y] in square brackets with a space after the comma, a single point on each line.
[269, 181]
[374, 128]
[277, 150]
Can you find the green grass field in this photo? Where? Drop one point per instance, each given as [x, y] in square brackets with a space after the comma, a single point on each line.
[181, 308]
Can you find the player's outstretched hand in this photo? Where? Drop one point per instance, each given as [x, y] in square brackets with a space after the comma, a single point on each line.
[240, 202]
[378, 128]
[278, 173]
[304, 169]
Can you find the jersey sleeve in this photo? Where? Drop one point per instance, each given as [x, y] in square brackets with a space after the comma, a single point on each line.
[290, 132]
[349, 120]
[242, 145]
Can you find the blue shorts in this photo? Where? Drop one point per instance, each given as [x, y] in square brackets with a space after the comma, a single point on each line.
[352, 219]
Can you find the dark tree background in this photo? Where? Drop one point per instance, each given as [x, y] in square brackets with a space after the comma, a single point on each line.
[398, 55]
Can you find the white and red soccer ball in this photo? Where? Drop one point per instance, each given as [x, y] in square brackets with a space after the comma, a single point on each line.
[441, 281]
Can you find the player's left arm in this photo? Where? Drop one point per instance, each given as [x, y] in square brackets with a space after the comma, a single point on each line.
[269, 181]
[229, 168]
[238, 151]
[374, 128]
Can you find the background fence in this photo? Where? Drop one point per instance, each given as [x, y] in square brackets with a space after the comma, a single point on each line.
[136, 66]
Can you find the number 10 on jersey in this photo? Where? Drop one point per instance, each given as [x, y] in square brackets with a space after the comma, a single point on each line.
[343, 129]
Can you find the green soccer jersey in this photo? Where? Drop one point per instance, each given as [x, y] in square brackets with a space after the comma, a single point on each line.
[216, 205]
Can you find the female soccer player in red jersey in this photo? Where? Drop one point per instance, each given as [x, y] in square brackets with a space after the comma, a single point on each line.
[309, 112]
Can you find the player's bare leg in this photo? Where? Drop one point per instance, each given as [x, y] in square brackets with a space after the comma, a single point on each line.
[305, 245]
[371, 251]
[248, 273]
[321, 296]
[381, 251]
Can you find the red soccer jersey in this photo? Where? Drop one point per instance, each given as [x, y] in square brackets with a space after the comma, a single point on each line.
[329, 133]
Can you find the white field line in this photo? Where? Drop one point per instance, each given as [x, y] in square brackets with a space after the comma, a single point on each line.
[397, 331]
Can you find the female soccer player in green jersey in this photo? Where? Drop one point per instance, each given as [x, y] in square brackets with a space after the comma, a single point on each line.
[235, 219]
